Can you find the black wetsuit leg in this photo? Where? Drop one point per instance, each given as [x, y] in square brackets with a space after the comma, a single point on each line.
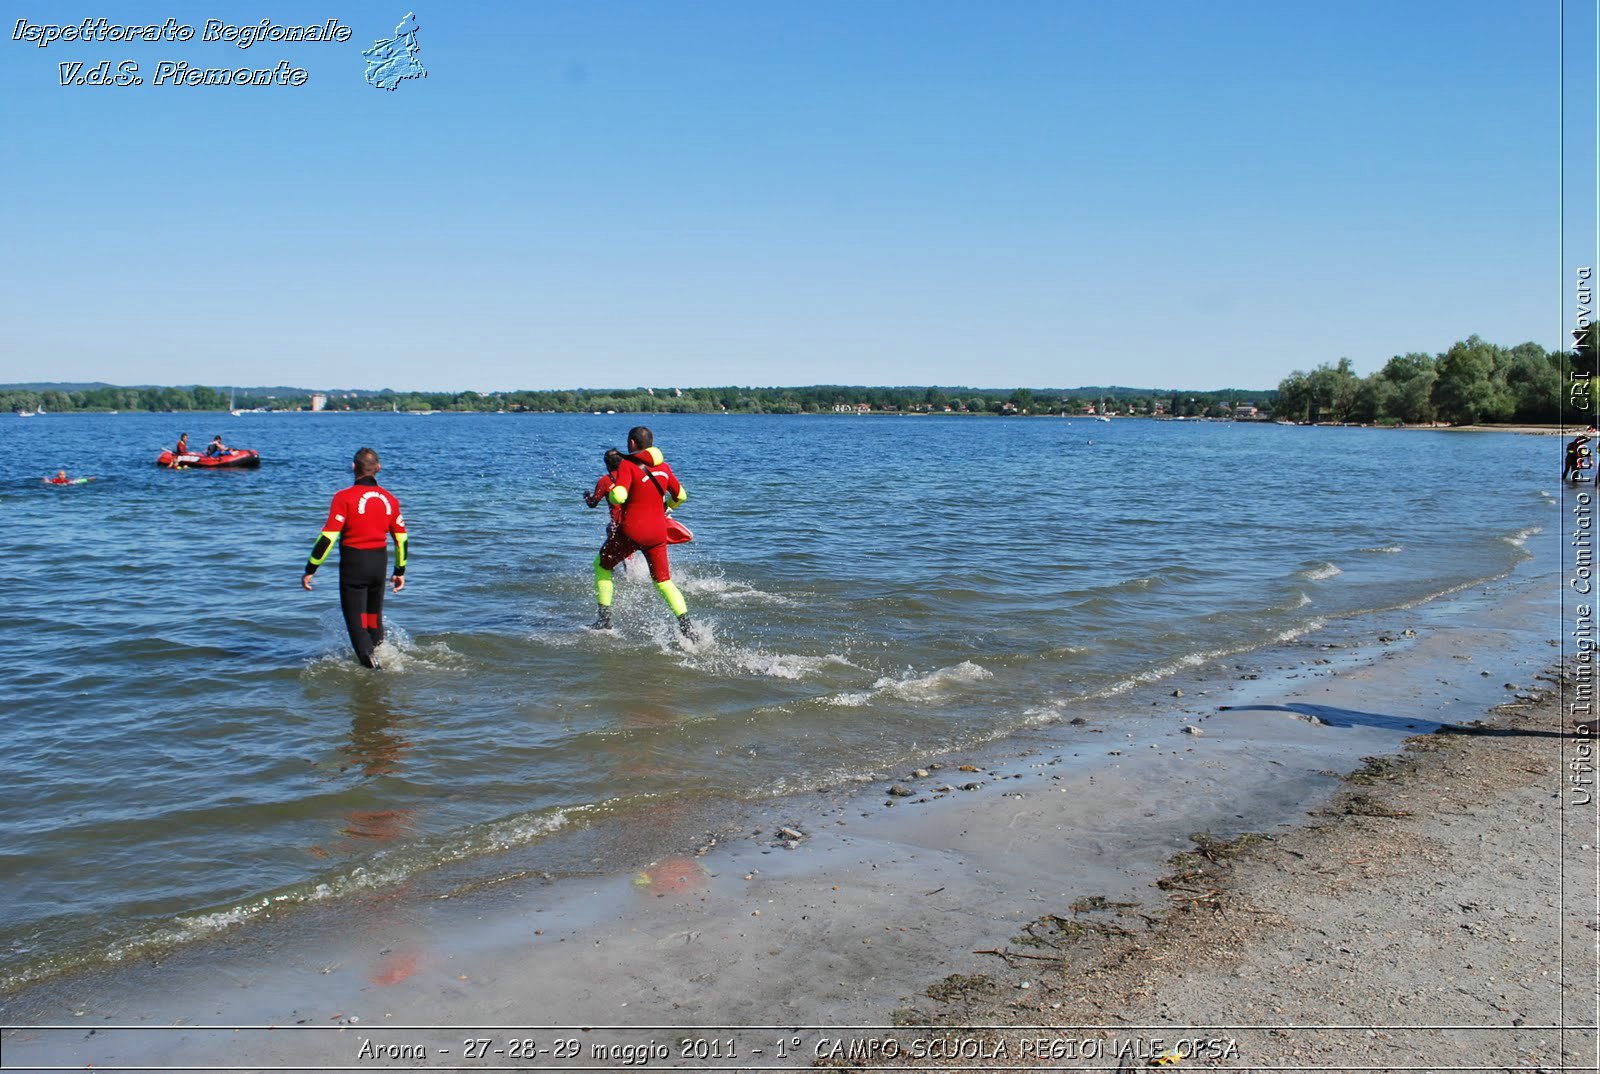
[362, 574]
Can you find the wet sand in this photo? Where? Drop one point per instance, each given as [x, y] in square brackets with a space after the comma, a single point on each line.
[872, 910]
[1450, 886]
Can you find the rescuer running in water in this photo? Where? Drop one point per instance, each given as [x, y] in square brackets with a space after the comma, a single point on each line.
[644, 487]
[360, 520]
[602, 487]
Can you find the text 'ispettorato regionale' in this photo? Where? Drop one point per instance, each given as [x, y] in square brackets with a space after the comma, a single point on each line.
[171, 72]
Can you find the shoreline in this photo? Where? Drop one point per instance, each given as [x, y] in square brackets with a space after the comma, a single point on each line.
[851, 922]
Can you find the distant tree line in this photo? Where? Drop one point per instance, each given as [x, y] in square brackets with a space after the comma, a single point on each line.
[113, 398]
[816, 399]
[1472, 382]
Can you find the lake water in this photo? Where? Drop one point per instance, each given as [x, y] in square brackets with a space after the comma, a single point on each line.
[188, 741]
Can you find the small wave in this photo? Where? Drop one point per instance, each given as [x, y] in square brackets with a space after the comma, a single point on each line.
[1202, 656]
[1319, 573]
[1520, 538]
[1299, 631]
[1386, 549]
[703, 652]
[742, 661]
[915, 688]
[1171, 574]
[723, 591]
[1042, 715]
[382, 871]
[1423, 598]
[398, 653]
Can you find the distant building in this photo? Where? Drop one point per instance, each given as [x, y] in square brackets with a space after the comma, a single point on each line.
[318, 401]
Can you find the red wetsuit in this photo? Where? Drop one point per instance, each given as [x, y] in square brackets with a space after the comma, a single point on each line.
[363, 516]
[602, 488]
[643, 527]
[361, 519]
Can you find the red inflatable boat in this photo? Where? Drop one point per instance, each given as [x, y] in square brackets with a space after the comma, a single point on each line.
[236, 459]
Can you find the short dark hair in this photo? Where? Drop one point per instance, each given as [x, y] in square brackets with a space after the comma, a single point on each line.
[613, 458]
[641, 437]
[367, 461]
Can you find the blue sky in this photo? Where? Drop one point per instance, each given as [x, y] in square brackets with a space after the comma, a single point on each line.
[878, 191]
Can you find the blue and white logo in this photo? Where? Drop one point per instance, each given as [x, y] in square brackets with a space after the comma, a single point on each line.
[392, 61]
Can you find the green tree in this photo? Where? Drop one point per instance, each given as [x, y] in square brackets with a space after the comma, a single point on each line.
[1333, 391]
[1373, 401]
[1294, 397]
[1410, 396]
[1466, 391]
[1533, 379]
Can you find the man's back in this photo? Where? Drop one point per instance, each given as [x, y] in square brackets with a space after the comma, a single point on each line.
[644, 511]
[364, 514]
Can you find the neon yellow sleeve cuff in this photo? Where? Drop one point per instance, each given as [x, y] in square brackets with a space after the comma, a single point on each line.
[325, 542]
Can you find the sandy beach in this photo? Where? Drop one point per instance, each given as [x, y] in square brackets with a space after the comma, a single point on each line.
[1428, 893]
[1015, 886]
[1568, 429]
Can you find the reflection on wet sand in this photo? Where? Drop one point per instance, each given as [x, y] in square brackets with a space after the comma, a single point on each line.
[636, 761]
[376, 749]
[673, 876]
